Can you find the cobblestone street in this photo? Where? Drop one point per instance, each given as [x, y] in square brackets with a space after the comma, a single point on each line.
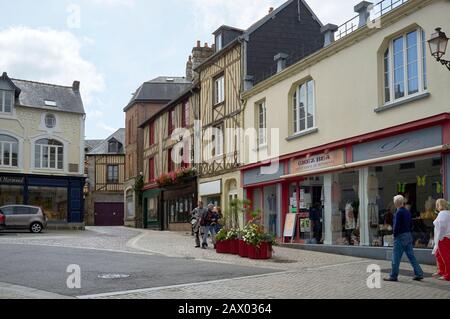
[296, 273]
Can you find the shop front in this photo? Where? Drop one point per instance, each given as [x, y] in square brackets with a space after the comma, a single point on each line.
[342, 195]
[211, 192]
[61, 198]
[177, 203]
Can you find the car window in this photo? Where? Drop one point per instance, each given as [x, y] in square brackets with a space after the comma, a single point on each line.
[21, 210]
[7, 211]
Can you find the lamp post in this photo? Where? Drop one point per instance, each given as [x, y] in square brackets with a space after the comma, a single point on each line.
[438, 45]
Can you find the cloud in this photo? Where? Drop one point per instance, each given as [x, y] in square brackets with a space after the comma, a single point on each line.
[47, 55]
[106, 127]
[113, 3]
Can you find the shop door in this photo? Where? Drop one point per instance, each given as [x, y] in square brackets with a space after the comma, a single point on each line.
[109, 214]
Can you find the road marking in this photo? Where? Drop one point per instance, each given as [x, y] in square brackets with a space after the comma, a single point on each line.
[147, 290]
[341, 264]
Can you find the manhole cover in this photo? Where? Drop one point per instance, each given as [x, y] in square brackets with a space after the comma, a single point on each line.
[113, 276]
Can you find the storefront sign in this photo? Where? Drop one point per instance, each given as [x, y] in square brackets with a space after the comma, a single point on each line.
[320, 161]
[211, 188]
[403, 143]
[12, 180]
[257, 175]
[289, 227]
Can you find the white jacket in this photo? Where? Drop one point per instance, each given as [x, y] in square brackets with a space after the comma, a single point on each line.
[441, 228]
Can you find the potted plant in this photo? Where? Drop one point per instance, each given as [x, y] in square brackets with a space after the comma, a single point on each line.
[233, 239]
[222, 243]
[259, 243]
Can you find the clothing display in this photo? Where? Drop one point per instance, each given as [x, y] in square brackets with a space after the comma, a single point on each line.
[373, 214]
[372, 187]
[350, 220]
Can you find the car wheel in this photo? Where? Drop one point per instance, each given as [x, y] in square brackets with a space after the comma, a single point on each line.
[36, 228]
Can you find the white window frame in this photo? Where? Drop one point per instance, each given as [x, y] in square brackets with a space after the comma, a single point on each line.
[421, 67]
[262, 123]
[217, 140]
[219, 90]
[296, 109]
[9, 145]
[49, 148]
[3, 101]
[48, 116]
[219, 42]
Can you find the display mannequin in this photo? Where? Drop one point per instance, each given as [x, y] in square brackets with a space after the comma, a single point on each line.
[429, 213]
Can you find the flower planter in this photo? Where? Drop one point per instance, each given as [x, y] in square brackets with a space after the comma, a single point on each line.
[260, 253]
[223, 247]
[234, 246]
[243, 249]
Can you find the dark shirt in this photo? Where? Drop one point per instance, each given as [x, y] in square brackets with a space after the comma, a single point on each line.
[402, 222]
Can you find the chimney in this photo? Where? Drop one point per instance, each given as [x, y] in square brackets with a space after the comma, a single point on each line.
[270, 10]
[280, 58]
[328, 33]
[189, 70]
[76, 86]
[200, 54]
[362, 9]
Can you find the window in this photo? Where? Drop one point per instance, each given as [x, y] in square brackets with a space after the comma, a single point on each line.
[172, 121]
[113, 174]
[53, 200]
[217, 141]
[151, 169]
[49, 154]
[219, 90]
[152, 133]
[50, 121]
[219, 42]
[262, 123]
[170, 166]
[6, 101]
[9, 151]
[185, 118]
[114, 146]
[405, 66]
[304, 107]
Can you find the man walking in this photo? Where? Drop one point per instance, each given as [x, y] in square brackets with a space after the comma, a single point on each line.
[207, 222]
[197, 215]
[403, 241]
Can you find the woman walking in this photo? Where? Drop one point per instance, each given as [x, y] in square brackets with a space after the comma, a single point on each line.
[442, 239]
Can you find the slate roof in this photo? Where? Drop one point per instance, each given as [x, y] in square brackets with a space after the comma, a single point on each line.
[102, 148]
[162, 89]
[34, 94]
[89, 145]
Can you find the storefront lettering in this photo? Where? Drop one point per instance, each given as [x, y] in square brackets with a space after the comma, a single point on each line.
[11, 180]
[396, 146]
[331, 159]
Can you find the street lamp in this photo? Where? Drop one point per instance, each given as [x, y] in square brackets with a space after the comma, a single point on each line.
[438, 46]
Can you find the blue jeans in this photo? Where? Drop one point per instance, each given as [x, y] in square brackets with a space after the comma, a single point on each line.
[206, 231]
[404, 244]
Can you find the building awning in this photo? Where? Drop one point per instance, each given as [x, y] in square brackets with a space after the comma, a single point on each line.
[390, 158]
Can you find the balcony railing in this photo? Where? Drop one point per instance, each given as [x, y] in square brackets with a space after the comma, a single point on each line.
[378, 10]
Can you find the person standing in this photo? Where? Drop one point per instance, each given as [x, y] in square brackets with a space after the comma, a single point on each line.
[207, 222]
[197, 214]
[403, 241]
[442, 239]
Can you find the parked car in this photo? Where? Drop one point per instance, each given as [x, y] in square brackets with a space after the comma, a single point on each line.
[24, 217]
[2, 221]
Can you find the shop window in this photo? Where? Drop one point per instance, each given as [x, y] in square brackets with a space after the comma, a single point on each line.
[53, 200]
[49, 154]
[152, 213]
[11, 195]
[405, 66]
[437, 162]
[421, 187]
[9, 151]
[179, 210]
[407, 166]
[6, 101]
[304, 107]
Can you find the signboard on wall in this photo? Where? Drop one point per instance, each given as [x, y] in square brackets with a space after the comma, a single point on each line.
[12, 180]
[325, 160]
[289, 226]
[210, 188]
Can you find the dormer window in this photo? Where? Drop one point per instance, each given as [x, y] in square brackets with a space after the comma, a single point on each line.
[219, 42]
[114, 147]
[6, 101]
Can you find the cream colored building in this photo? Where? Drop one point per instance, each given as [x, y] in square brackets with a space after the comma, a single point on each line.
[363, 119]
[42, 147]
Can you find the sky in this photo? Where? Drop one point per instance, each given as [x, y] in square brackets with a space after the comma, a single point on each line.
[113, 46]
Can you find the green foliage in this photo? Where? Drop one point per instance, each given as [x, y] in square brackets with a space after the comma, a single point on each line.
[222, 235]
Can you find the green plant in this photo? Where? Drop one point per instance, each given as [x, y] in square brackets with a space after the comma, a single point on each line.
[233, 234]
[222, 235]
